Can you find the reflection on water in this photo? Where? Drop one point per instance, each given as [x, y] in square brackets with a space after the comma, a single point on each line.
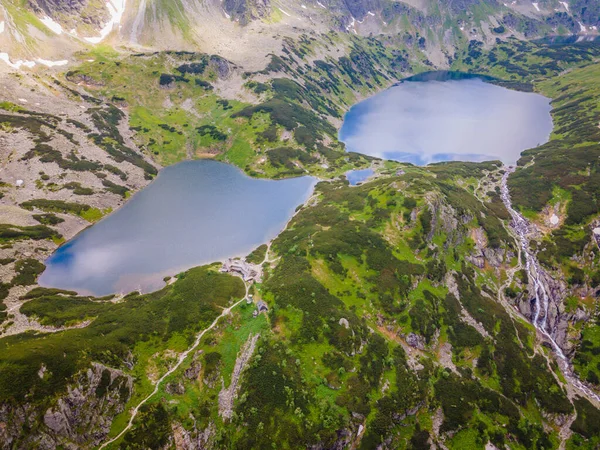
[194, 213]
[432, 121]
[357, 176]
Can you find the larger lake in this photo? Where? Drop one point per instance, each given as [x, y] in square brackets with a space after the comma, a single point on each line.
[195, 212]
[430, 121]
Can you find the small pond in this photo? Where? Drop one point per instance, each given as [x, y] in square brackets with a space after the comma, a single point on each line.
[445, 116]
[358, 176]
[194, 213]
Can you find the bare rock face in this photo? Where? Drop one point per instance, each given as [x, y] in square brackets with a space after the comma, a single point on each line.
[175, 388]
[450, 225]
[477, 258]
[360, 8]
[81, 417]
[416, 341]
[192, 372]
[245, 11]
[72, 11]
[494, 256]
[228, 395]
[193, 439]
[222, 67]
[482, 253]
[525, 304]
[589, 11]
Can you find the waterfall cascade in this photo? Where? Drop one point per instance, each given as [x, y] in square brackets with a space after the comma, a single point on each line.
[537, 278]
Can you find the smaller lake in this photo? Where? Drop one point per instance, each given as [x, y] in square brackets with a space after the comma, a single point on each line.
[447, 117]
[195, 212]
[358, 176]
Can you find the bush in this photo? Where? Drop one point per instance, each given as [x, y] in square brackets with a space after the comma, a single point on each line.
[27, 272]
[35, 232]
[55, 206]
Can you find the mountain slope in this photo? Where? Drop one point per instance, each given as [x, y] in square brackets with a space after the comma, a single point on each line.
[398, 311]
[57, 28]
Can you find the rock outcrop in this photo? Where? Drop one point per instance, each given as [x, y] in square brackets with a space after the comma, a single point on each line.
[72, 12]
[81, 417]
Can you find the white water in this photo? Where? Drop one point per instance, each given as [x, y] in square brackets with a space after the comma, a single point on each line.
[537, 277]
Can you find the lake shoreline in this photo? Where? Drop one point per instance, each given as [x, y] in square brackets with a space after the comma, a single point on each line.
[447, 116]
[193, 213]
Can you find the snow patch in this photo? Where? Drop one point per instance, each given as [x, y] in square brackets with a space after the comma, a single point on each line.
[535, 5]
[17, 64]
[321, 5]
[303, 6]
[226, 15]
[554, 219]
[351, 26]
[30, 64]
[566, 5]
[48, 63]
[582, 27]
[52, 25]
[370, 13]
[116, 8]
[289, 15]
[596, 231]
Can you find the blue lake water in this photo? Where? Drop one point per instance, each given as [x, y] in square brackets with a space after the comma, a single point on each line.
[457, 119]
[195, 212]
[358, 176]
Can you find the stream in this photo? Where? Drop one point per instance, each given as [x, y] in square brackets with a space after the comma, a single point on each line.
[537, 278]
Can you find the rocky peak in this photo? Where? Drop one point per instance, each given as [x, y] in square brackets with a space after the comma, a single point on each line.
[72, 12]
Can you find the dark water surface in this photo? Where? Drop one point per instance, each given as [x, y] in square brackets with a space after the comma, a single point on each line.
[445, 116]
[195, 212]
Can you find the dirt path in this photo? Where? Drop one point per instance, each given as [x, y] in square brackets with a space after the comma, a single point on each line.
[180, 360]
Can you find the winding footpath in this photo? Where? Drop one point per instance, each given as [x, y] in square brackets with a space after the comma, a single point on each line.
[180, 360]
[523, 229]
